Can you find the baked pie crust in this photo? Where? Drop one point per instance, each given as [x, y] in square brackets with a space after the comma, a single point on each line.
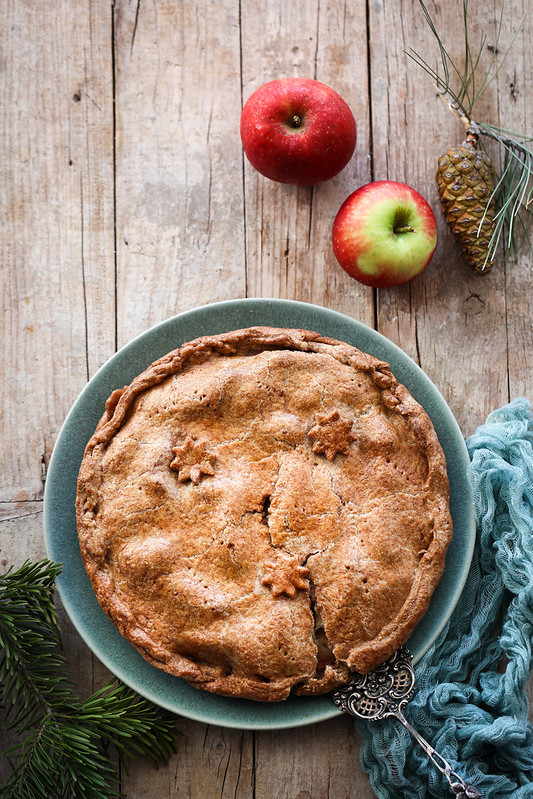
[264, 510]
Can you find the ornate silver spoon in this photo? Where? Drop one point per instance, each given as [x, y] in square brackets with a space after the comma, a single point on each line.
[384, 693]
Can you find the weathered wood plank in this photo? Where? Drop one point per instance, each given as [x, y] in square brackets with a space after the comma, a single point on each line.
[57, 277]
[178, 159]
[288, 229]
[57, 211]
[21, 533]
[180, 244]
[223, 772]
[58, 271]
[289, 763]
[515, 112]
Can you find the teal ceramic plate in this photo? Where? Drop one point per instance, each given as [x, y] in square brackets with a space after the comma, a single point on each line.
[60, 524]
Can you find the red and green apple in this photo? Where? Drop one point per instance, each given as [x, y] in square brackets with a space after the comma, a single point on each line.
[384, 234]
[298, 131]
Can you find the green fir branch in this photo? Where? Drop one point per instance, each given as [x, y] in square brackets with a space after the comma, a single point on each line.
[68, 748]
[59, 760]
[461, 89]
[32, 666]
[131, 724]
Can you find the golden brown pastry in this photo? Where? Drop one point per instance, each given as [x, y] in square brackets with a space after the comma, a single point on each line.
[262, 511]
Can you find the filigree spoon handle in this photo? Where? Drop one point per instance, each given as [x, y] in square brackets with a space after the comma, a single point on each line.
[384, 693]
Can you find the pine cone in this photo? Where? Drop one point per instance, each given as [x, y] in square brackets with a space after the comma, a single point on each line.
[465, 180]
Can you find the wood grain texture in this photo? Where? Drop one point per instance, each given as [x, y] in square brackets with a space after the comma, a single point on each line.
[515, 112]
[126, 199]
[288, 229]
[57, 212]
[179, 200]
[57, 276]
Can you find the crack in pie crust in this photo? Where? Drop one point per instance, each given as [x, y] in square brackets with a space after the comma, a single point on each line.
[262, 511]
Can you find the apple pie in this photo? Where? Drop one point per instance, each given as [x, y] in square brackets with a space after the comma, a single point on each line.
[263, 511]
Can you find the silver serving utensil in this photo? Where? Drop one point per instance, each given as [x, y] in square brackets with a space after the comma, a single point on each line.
[385, 692]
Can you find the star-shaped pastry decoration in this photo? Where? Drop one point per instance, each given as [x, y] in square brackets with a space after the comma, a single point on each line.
[331, 433]
[192, 459]
[284, 574]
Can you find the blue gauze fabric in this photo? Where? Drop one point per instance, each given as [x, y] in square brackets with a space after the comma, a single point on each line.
[470, 702]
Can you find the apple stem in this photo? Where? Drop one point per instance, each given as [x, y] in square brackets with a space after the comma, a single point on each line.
[296, 121]
[404, 229]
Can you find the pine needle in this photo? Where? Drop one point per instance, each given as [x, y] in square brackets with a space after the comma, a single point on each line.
[68, 748]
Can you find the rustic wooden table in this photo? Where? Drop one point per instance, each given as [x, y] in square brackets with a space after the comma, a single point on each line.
[126, 199]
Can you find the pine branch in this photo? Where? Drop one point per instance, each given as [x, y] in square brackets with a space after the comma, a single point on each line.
[131, 724]
[461, 90]
[59, 760]
[514, 190]
[68, 747]
[465, 87]
[32, 666]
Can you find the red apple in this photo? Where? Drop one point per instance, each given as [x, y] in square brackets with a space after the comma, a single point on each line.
[384, 234]
[297, 130]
